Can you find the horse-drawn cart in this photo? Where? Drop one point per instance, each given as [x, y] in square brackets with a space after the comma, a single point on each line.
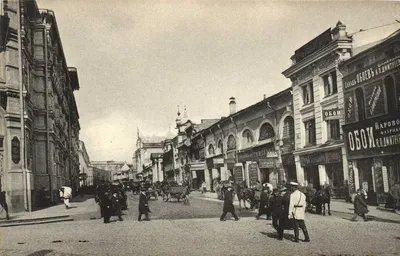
[177, 193]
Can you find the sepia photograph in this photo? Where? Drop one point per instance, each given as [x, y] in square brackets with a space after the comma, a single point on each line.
[199, 127]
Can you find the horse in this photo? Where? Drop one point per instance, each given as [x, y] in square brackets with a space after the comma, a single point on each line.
[245, 194]
[320, 200]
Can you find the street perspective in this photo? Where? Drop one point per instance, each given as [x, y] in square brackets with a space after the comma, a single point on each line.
[199, 127]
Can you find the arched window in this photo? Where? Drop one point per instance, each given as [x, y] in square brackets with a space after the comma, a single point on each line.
[247, 138]
[266, 132]
[390, 94]
[360, 104]
[211, 150]
[288, 128]
[220, 147]
[231, 142]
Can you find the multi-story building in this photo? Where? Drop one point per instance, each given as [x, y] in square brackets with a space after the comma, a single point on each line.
[371, 80]
[100, 175]
[253, 144]
[39, 121]
[320, 154]
[85, 174]
[114, 169]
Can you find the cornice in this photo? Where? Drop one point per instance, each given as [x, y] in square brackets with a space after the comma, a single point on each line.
[329, 100]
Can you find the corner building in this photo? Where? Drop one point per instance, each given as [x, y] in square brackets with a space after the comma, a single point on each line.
[372, 114]
[320, 155]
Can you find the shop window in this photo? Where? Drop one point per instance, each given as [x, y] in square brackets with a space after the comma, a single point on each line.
[231, 142]
[288, 128]
[330, 83]
[390, 94]
[308, 93]
[360, 104]
[247, 138]
[335, 174]
[266, 132]
[333, 129]
[311, 138]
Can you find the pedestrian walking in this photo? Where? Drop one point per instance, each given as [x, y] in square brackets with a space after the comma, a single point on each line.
[282, 212]
[143, 205]
[360, 206]
[264, 203]
[228, 203]
[65, 194]
[276, 206]
[395, 193]
[203, 187]
[297, 209]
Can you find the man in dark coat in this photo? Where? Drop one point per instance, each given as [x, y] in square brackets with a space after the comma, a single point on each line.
[276, 206]
[143, 205]
[264, 203]
[283, 212]
[228, 203]
[360, 206]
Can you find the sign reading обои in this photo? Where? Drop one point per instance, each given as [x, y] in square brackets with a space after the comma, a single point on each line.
[373, 136]
[372, 71]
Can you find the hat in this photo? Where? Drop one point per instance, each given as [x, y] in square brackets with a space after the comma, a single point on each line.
[292, 183]
[282, 189]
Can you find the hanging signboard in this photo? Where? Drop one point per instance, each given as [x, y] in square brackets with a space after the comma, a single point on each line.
[253, 173]
[15, 150]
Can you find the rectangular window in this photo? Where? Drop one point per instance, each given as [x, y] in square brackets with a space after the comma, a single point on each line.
[330, 83]
[311, 137]
[333, 129]
[308, 93]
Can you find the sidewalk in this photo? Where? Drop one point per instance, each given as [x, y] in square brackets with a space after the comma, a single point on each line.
[81, 208]
[337, 207]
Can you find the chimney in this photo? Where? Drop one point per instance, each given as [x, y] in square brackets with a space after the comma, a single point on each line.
[339, 31]
[232, 105]
[265, 96]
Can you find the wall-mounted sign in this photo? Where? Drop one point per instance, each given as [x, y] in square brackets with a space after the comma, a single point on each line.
[371, 72]
[352, 186]
[238, 174]
[319, 158]
[15, 150]
[253, 173]
[371, 137]
[267, 163]
[332, 114]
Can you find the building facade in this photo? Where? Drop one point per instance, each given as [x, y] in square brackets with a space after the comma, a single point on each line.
[114, 169]
[100, 175]
[39, 120]
[85, 174]
[253, 144]
[320, 155]
[372, 118]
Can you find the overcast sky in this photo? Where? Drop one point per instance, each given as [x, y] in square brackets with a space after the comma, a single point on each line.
[138, 60]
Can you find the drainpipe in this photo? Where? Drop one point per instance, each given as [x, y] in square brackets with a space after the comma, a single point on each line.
[46, 72]
[236, 141]
[22, 110]
[276, 137]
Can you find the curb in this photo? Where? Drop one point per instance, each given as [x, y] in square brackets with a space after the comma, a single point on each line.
[34, 221]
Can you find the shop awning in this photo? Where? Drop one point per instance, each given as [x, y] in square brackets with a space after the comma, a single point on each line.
[198, 167]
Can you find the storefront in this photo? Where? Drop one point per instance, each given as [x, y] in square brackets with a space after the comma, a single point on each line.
[323, 167]
[372, 117]
[198, 175]
[213, 173]
[289, 167]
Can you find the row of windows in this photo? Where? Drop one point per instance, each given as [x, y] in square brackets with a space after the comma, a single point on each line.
[330, 87]
[333, 130]
[266, 132]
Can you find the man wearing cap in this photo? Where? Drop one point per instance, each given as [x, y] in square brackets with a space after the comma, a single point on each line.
[228, 203]
[264, 203]
[143, 205]
[297, 207]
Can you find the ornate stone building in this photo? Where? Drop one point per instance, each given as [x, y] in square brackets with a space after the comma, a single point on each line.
[320, 154]
[39, 120]
[85, 174]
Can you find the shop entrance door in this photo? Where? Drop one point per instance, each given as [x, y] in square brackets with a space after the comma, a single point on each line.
[311, 174]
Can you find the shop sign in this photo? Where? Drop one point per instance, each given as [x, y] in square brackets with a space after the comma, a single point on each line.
[371, 137]
[288, 159]
[267, 163]
[373, 71]
[378, 178]
[238, 174]
[245, 156]
[319, 158]
[314, 45]
[332, 114]
[15, 150]
[352, 186]
[218, 161]
[253, 173]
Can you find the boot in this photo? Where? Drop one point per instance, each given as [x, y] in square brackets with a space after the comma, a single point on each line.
[306, 236]
[296, 236]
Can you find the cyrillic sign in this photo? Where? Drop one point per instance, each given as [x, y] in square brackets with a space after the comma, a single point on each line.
[332, 114]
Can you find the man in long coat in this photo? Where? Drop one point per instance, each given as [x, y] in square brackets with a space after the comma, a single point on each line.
[360, 206]
[228, 203]
[297, 209]
[282, 211]
[264, 203]
[143, 205]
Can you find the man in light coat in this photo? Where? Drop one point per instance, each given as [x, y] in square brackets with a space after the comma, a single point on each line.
[297, 207]
[66, 194]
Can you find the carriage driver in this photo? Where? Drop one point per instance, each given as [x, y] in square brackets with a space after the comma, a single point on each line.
[297, 207]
